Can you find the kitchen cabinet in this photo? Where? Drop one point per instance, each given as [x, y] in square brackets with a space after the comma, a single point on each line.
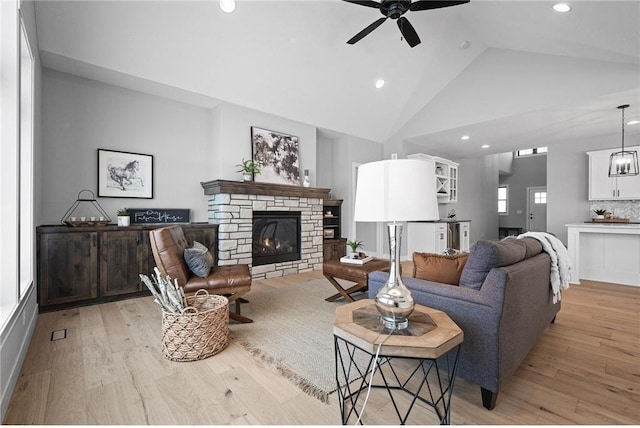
[603, 187]
[607, 252]
[436, 237]
[86, 265]
[446, 178]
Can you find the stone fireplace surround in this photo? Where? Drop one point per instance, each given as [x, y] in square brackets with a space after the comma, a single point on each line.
[231, 205]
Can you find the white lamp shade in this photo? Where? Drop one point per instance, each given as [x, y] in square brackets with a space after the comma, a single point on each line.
[396, 190]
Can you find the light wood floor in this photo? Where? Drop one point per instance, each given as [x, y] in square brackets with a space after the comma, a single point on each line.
[110, 370]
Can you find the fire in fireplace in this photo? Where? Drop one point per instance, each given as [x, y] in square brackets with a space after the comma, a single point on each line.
[276, 237]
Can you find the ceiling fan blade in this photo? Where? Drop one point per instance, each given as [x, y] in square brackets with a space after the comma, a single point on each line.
[368, 3]
[434, 4]
[366, 31]
[408, 32]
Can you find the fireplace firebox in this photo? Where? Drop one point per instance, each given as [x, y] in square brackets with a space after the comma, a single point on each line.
[275, 237]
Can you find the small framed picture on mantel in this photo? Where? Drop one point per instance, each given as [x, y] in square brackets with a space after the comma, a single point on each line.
[125, 174]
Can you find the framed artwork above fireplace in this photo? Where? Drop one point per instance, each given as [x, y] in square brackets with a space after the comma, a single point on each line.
[276, 155]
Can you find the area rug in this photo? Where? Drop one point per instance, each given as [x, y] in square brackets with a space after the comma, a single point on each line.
[292, 329]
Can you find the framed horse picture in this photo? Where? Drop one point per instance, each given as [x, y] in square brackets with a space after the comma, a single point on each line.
[124, 174]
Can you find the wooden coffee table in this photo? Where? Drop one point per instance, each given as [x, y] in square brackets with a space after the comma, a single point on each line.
[431, 339]
[334, 269]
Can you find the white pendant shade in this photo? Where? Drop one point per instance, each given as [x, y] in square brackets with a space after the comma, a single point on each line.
[396, 190]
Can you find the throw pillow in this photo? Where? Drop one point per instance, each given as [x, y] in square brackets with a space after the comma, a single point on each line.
[445, 269]
[199, 259]
[485, 255]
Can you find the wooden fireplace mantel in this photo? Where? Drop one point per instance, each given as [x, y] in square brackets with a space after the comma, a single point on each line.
[268, 189]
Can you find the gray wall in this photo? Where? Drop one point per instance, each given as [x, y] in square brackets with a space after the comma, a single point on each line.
[83, 115]
[529, 171]
[568, 181]
[189, 144]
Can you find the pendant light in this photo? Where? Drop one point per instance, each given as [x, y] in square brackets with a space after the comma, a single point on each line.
[623, 163]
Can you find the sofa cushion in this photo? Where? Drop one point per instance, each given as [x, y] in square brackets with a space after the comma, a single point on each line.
[445, 269]
[199, 259]
[533, 247]
[486, 255]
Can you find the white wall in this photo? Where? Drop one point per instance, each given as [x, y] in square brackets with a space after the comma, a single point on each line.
[81, 116]
[233, 139]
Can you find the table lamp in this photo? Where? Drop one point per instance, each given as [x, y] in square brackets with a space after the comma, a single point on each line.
[393, 191]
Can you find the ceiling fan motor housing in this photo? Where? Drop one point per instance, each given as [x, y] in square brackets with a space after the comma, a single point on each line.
[394, 9]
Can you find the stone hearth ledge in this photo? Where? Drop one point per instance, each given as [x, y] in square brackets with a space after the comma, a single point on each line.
[231, 205]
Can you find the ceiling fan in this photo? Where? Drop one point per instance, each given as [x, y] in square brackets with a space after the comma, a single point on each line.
[394, 9]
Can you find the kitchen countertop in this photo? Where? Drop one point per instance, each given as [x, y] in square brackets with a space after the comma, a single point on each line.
[444, 220]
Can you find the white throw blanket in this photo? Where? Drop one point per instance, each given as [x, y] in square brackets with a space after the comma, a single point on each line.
[560, 266]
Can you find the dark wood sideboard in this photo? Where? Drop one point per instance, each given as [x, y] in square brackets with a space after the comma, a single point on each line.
[334, 245]
[86, 265]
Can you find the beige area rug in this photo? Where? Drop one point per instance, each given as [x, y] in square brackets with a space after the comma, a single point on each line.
[292, 329]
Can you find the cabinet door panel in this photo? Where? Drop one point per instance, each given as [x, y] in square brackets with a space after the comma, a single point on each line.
[601, 186]
[68, 267]
[124, 257]
[628, 187]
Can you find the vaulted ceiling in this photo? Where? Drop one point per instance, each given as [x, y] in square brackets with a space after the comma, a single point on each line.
[528, 75]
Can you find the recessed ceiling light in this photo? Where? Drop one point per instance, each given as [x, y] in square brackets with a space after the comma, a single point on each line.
[465, 137]
[633, 122]
[228, 6]
[465, 44]
[379, 83]
[561, 7]
[485, 146]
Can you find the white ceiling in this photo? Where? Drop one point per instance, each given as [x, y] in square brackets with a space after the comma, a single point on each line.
[530, 75]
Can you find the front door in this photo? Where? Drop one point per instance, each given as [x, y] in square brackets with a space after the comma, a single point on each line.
[537, 209]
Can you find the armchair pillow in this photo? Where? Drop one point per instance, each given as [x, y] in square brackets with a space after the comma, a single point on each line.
[199, 259]
[439, 268]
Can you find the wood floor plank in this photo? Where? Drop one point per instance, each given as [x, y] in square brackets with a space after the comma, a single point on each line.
[585, 369]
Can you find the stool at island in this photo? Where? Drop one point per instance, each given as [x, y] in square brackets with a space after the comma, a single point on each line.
[431, 342]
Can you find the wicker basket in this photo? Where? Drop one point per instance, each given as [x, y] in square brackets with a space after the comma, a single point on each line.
[200, 331]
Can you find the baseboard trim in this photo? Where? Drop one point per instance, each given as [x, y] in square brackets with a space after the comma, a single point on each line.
[14, 344]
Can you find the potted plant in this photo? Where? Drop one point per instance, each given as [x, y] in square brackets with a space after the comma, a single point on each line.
[124, 219]
[599, 213]
[248, 168]
[354, 245]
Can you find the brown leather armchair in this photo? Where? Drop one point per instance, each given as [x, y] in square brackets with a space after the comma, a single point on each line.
[233, 281]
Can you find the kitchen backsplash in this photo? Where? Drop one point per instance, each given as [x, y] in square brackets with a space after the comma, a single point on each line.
[627, 209]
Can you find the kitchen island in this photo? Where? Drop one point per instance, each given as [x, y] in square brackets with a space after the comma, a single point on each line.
[608, 252]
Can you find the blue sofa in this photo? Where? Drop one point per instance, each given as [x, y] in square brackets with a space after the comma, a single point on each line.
[503, 304]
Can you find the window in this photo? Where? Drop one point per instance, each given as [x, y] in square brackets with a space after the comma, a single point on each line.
[539, 197]
[25, 217]
[531, 152]
[503, 199]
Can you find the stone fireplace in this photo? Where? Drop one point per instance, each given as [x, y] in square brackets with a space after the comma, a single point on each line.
[232, 205]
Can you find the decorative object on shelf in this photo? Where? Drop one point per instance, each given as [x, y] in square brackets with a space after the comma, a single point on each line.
[277, 156]
[124, 174]
[385, 193]
[452, 215]
[623, 163]
[101, 220]
[354, 245]
[249, 169]
[599, 213]
[159, 215]
[124, 219]
[306, 182]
